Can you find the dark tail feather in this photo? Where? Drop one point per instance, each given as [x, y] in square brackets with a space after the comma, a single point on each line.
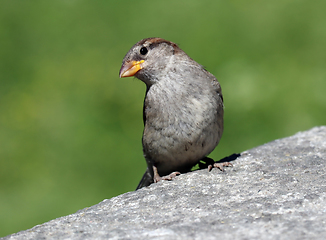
[146, 180]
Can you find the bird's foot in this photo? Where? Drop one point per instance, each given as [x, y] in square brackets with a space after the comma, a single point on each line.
[219, 165]
[210, 164]
[169, 177]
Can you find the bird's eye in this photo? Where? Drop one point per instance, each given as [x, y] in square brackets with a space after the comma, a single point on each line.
[143, 51]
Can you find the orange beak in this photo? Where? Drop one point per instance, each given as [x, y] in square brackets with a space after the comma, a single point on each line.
[129, 69]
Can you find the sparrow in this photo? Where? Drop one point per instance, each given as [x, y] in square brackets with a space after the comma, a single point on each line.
[182, 112]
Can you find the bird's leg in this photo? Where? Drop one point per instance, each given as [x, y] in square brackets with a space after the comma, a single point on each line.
[169, 177]
[210, 163]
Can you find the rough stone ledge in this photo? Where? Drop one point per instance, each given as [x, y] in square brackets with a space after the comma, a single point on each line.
[274, 191]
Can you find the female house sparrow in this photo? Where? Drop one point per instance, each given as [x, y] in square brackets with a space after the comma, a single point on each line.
[183, 109]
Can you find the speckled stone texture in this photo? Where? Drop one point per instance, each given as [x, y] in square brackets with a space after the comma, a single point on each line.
[274, 191]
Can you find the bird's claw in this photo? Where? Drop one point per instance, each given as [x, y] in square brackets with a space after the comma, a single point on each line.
[167, 177]
[219, 165]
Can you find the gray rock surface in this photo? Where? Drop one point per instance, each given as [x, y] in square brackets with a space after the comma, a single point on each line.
[274, 191]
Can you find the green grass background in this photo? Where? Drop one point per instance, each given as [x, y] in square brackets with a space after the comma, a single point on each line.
[70, 129]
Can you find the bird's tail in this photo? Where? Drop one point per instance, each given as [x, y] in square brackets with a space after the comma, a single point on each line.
[146, 180]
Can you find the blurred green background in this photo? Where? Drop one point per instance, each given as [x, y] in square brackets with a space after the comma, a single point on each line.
[70, 129]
